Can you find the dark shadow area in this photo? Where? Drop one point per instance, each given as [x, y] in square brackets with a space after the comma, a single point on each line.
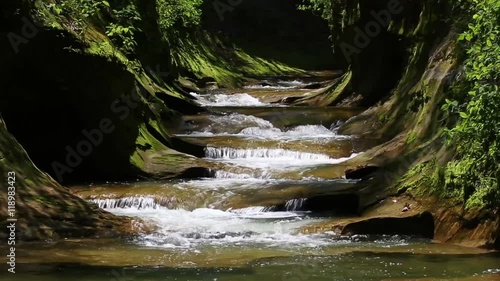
[377, 57]
[46, 94]
[187, 147]
[274, 30]
[341, 204]
[421, 225]
[179, 105]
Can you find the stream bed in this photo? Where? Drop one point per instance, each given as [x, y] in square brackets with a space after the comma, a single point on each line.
[244, 220]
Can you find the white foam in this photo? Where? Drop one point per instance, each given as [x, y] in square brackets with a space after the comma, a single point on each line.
[261, 129]
[139, 202]
[264, 158]
[258, 153]
[231, 124]
[216, 100]
[299, 132]
[187, 229]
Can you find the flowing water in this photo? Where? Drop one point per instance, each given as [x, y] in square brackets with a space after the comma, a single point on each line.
[244, 221]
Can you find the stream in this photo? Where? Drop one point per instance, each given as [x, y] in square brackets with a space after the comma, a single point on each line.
[244, 220]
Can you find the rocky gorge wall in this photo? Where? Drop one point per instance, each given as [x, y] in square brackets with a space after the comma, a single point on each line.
[43, 208]
[403, 59]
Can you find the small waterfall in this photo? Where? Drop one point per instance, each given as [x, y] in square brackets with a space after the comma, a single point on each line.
[295, 204]
[232, 153]
[138, 202]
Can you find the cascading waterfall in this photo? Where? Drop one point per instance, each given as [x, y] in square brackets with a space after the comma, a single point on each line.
[250, 172]
[250, 220]
[270, 159]
[232, 153]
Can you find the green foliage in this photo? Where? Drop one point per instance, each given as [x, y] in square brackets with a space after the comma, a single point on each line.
[174, 14]
[79, 8]
[476, 170]
[321, 7]
[338, 13]
[79, 11]
[427, 179]
[123, 31]
[205, 55]
[122, 27]
[450, 105]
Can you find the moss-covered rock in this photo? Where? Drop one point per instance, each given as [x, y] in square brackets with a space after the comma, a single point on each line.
[43, 208]
[96, 109]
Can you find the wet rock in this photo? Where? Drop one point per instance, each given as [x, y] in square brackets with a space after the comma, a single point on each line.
[289, 100]
[205, 82]
[313, 86]
[49, 210]
[474, 229]
[188, 84]
[211, 86]
[361, 172]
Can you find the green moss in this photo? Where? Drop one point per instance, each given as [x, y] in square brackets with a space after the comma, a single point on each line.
[475, 171]
[334, 94]
[40, 200]
[205, 55]
[411, 137]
